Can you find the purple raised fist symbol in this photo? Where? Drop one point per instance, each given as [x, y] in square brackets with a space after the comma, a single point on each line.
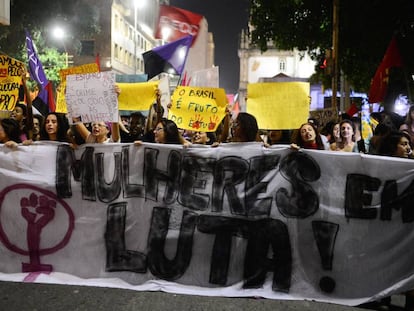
[47, 220]
[38, 212]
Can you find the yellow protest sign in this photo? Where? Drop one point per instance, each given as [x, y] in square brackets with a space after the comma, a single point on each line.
[198, 109]
[279, 105]
[10, 77]
[137, 96]
[60, 99]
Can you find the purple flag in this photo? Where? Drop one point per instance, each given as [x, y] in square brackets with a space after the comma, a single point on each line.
[170, 57]
[35, 65]
[37, 74]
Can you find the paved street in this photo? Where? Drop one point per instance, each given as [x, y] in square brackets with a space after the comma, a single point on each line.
[44, 297]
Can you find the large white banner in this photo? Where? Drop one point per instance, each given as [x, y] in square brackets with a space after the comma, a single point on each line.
[237, 220]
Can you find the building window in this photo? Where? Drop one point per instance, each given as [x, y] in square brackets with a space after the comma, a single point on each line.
[282, 65]
[116, 53]
[116, 18]
[126, 28]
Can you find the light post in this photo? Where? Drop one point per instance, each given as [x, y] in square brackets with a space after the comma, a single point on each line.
[59, 34]
[335, 31]
[138, 4]
[135, 35]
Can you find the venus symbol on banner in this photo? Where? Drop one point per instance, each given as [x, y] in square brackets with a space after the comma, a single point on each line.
[38, 208]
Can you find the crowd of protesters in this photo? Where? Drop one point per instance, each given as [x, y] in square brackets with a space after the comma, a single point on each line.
[342, 134]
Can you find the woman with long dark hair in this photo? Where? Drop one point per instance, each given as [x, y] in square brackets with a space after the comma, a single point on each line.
[9, 132]
[166, 132]
[307, 137]
[396, 144]
[55, 127]
[408, 125]
[245, 128]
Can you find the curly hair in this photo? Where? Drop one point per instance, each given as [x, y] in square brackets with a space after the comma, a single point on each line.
[11, 129]
[62, 127]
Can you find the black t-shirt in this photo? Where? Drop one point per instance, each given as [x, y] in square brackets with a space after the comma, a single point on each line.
[130, 138]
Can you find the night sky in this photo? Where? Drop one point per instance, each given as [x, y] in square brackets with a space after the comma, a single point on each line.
[226, 19]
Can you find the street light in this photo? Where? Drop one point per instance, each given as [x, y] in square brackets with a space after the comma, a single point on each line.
[335, 34]
[138, 4]
[59, 34]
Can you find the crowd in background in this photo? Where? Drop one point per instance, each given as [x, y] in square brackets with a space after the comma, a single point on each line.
[390, 137]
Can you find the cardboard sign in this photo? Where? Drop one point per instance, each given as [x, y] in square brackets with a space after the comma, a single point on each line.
[137, 96]
[60, 99]
[198, 109]
[279, 105]
[10, 80]
[92, 97]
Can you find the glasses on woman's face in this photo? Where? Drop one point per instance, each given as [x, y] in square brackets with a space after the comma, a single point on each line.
[158, 129]
[99, 124]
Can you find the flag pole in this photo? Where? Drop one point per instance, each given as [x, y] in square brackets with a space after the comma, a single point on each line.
[335, 30]
[407, 79]
[29, 119]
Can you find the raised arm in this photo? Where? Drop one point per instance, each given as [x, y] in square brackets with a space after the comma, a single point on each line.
[115, 132]
[82, 130]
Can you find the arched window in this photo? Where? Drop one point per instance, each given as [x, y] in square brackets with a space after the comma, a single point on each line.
[282, 65]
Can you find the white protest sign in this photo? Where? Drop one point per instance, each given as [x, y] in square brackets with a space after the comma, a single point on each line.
[92, 97]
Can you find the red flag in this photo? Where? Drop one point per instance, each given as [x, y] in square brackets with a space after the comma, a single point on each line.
[98, 61]
[50, 97]
[379, 83]
[175, 23]
[353, 109]
[185, 81]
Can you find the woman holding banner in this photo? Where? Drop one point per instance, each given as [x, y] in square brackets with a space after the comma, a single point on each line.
[245, 128]
[55, 127]
[19, 114]
[165, 132]
[9, 133]
[307, 137]
[101, 132]
[396, 144]
[347, 143]
[203, 138]
[408, 125]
